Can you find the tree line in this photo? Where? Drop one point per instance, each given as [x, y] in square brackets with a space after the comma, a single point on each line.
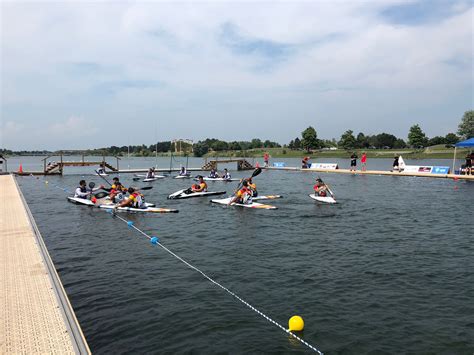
[309, 141]
[416, 138]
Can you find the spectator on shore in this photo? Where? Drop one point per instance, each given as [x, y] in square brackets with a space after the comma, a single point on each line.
[353, 162]
[305, 164]
[266, 159]
[363, 161]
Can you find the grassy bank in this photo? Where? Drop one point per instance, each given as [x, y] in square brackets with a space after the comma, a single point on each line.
[436, 152]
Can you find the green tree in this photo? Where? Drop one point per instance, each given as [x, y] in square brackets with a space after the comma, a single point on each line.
[399, 144]
[347, 140]
[451, 138]
[416, 137]
[200, 148]
[297, 143]
[436, 140]
[466, 127]
[362, 141]
[310, 139]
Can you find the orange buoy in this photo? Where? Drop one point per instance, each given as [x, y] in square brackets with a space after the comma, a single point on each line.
[20, 169]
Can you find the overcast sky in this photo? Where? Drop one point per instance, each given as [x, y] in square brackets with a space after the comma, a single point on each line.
[91, 74]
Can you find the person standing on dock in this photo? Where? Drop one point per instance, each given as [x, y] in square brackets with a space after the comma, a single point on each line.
[353, 162]
[266, 159]
[363, 161]
[305, 164]
[468, 166]
[395, 165]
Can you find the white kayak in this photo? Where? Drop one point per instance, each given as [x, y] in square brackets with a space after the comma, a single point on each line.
[154, 178]
[101, 174]
[186, 194]
[225, 201]
[182, 177]
[146, 209]
[149, 207]
[207, 178]
[266, 197]
[324, 199]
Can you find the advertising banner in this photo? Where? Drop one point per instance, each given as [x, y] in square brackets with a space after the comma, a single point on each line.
[326, 166]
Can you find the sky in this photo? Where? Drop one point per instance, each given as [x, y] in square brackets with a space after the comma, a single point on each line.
[78, 75]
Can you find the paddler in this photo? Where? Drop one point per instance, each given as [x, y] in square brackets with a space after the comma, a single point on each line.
[252, 187]
[135, 199]
[83, 191]
[183, 172]
[213, 174]
[117, 190]
[150, 174]
[243, 195]
[201, 186]
[320, 188]
[226, 175]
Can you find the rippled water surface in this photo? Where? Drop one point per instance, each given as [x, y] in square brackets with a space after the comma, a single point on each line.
[389, 269]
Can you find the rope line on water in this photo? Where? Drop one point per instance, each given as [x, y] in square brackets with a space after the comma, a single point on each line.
[155, 241]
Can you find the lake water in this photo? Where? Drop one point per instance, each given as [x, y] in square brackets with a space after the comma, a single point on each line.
[389, 269]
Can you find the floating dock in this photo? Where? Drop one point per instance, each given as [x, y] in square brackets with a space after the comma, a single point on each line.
[375, 172]
[35, 313]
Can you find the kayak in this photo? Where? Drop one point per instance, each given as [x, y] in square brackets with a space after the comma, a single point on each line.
[324, 199]
[101, 174]
[104, 201]
[183, 194]
[206, 178]
[149, 206]
[266, 197]
[150, 179]
[225, 201]
[182, 177]
[146, 209]
[155, 178]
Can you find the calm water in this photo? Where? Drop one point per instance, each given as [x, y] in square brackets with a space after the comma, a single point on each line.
[389, 269]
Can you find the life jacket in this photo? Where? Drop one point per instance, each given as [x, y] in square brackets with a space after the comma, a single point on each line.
[137, 200]
[83, 188]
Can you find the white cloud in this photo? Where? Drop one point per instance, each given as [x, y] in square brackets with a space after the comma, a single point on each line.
[82, 56]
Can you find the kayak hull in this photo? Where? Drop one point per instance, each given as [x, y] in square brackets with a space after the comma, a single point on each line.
[181, 194]
[323, 199]
[225, 201]
[182, 177]
[266, 197]
[218, 179]
[148, 208]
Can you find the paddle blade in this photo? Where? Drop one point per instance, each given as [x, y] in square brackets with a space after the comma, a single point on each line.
[136, 178]
[91, 184]
[256, 172]
[146, 188]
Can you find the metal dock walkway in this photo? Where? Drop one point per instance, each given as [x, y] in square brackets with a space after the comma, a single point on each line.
[35, 313]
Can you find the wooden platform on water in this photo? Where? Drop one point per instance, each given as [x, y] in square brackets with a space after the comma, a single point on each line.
[35, 313]
[375, 172]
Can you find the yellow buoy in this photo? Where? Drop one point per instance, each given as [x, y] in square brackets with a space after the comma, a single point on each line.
[296, 324]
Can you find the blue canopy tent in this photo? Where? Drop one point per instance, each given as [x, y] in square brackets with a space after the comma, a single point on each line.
[468, 143]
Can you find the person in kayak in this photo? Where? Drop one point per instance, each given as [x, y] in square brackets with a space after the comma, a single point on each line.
[320, 189]
[252, 187]
[201, 186]
[213, 174]
[135, 199]
[117, 191]
[183, 172]
[150, 174]
[82, 191]
[226, 175]
[243, 195]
